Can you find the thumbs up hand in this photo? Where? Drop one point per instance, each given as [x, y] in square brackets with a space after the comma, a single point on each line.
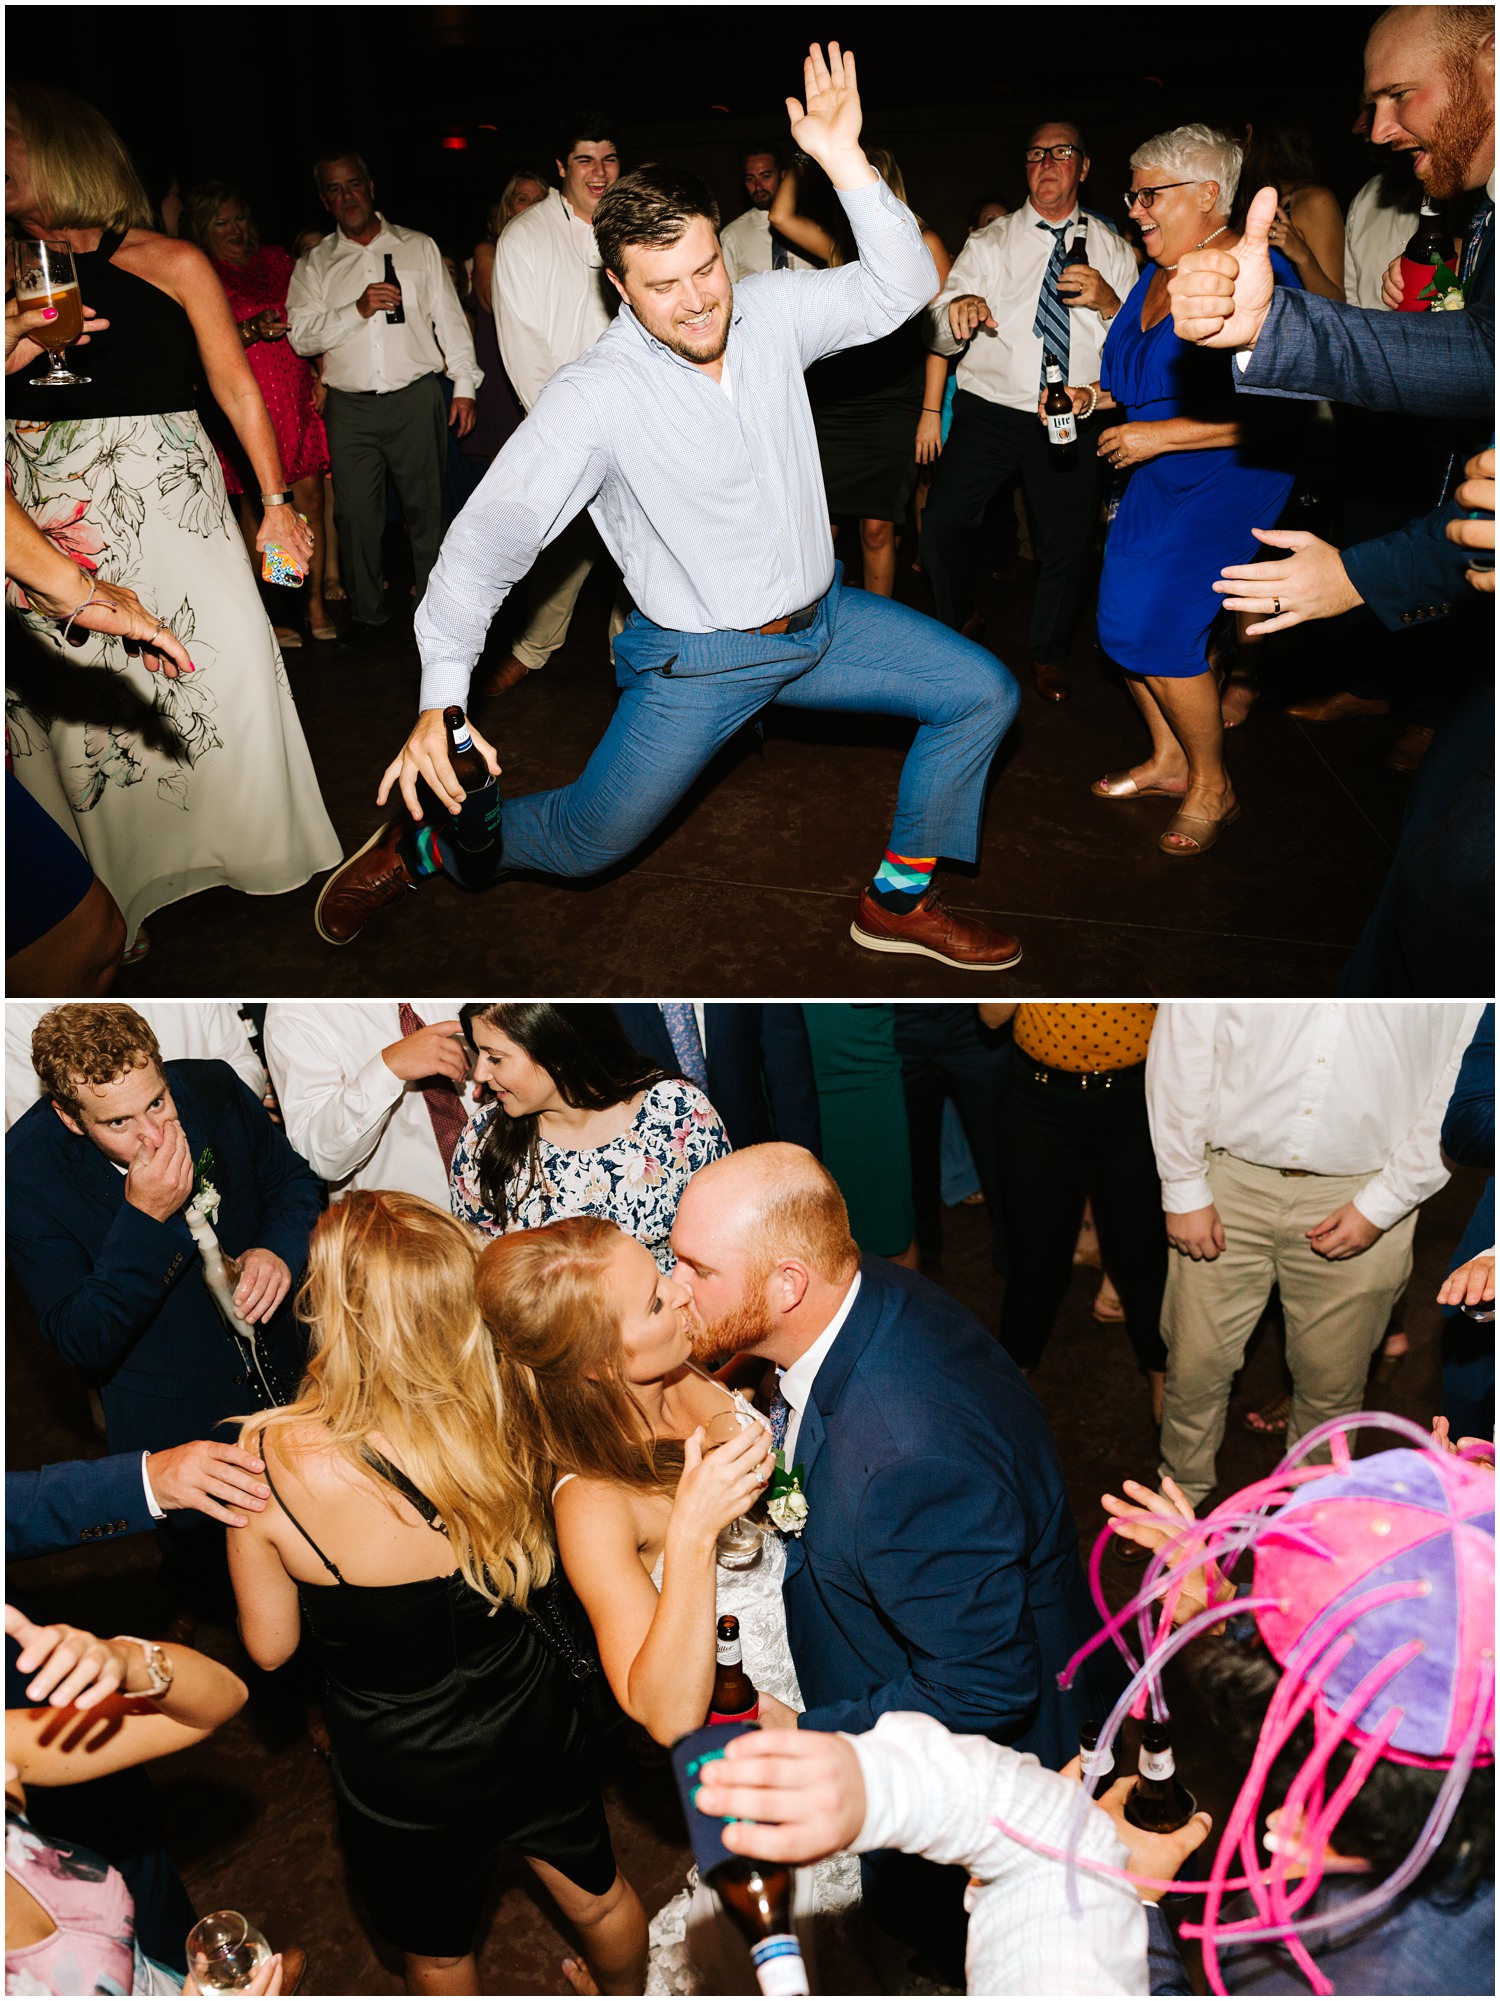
[1220, 298]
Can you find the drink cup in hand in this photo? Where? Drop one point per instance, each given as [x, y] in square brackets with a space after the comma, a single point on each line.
[47, 276]
[224, 1951]
[739, 1542]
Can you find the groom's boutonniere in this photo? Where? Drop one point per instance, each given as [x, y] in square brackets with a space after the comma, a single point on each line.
[1447, 293]
[205, 1195]
[786, 1504]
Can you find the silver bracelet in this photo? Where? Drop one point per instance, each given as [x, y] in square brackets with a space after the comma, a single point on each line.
[159, 1668]
[93, 593]
[282, 499]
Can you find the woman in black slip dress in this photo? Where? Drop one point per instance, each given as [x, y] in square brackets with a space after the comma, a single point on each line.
[418, 1556]
[175, 785]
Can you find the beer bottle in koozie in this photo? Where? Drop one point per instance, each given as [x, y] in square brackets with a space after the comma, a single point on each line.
[757, 1895]
[735, 1697]
[396, 317]
[1430, 245]
[476, 825]
[1159, 1801]
[1057, 406]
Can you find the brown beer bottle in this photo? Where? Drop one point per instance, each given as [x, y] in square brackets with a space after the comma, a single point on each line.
[1430, 245]
[1095, 1767]
[396, 317]
[735, 1698]
[758, 1897]
[1158, 1802]
[1057, 407]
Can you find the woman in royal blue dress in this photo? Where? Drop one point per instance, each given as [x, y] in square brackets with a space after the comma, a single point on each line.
[1202, 475]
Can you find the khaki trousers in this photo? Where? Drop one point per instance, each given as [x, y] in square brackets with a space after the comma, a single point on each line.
[1335, 1311]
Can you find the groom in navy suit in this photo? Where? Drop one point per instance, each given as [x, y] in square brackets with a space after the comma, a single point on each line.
[938, 1566]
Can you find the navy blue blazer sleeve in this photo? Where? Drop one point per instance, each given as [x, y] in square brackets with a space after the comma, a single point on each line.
[1415, 576]
[291, 1193]
[791, 1082]
[1165, 1972]
[54, 1507]
[1469, 1123]
[941, 1549]
[1423, 364]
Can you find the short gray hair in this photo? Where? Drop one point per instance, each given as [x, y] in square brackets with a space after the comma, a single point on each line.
[328, 160]
[1196, 153]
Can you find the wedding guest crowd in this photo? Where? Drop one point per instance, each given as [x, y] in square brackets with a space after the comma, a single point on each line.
[506, 1458]
[1182, 503]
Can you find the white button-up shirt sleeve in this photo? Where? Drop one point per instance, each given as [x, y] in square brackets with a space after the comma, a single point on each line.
[551, 295]
[1415, 1171]
[316, 326]
[932, 1793]
[1179, 1091]
[548, 472]
[449, 323]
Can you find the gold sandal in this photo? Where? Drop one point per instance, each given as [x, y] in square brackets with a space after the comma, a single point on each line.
[1122, 785]
[1193, 827]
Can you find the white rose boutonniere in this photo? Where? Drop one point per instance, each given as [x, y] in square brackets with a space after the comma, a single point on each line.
[205, 1196]
[786, 1504]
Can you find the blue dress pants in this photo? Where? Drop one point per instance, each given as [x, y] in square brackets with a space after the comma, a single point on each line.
[683, 695]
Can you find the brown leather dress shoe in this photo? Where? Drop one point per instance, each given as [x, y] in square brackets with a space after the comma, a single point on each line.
[293, 1966]
[933, 933]
[500, 680]
[1410, 747]
[370, 879]
[1051, 682]
[1337, 708]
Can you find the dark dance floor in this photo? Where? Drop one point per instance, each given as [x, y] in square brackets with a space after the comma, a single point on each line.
[750, 887]
[250, 1813]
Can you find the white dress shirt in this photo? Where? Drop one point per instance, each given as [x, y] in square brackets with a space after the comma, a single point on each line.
[352, 1118]
[1326, 1087]
[363, 355]
[1004, 264]
[797, 1381]
[202, 1030]
[746, 244]
[551, 296]
[714, 510]
[1377, 228]
[932, 1793]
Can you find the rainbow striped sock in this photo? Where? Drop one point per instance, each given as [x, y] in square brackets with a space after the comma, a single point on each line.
[902, 881]
[420, 851]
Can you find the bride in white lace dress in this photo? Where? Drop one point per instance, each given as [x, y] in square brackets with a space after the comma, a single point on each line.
[594, 1345]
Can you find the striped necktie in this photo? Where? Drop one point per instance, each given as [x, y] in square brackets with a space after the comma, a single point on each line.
[681, 1019]
[1484, 216]
[1051, 325]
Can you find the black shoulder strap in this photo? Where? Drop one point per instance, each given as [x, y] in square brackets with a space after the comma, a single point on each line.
[393, 1476]
[109, 243]
[266, 1468]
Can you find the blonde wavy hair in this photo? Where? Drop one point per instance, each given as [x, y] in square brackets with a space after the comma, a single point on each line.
[81, 173]
[399, 1347]
[546, 1297]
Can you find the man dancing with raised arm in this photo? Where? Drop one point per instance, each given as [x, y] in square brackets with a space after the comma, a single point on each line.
[685, 430]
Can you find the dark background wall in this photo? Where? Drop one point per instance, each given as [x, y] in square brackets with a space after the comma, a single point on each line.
[446, 101]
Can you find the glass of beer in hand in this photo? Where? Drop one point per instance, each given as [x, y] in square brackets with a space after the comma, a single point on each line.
[46, 276]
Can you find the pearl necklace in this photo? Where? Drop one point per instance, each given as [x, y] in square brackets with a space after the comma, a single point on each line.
[1203, 245]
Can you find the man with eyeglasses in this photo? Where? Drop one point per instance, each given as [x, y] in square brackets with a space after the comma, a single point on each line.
[1009, 298]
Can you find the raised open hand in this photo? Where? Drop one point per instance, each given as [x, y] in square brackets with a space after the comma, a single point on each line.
[827, 130]
[1220, 298]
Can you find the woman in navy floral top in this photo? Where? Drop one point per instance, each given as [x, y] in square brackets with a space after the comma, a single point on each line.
[582, 1125]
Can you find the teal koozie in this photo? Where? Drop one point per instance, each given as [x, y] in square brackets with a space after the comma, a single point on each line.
[689, 1755]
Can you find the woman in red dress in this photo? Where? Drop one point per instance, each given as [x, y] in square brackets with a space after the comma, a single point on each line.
[254, 276]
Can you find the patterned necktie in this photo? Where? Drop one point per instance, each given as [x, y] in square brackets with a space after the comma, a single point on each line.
[1484, 216]
[445, 1100]
[1051, 324]
[779, 1411]
[778, 253]
[681, 1018]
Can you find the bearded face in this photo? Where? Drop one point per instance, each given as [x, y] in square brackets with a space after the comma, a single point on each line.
[1458, 131]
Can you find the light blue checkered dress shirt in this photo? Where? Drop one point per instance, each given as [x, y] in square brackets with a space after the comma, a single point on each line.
[712, 504]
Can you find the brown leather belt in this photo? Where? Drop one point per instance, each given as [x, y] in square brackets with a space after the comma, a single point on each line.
[794, 621]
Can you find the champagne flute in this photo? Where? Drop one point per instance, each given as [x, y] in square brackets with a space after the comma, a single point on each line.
[739, 1542]
[47, 276]
[224, 1950]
